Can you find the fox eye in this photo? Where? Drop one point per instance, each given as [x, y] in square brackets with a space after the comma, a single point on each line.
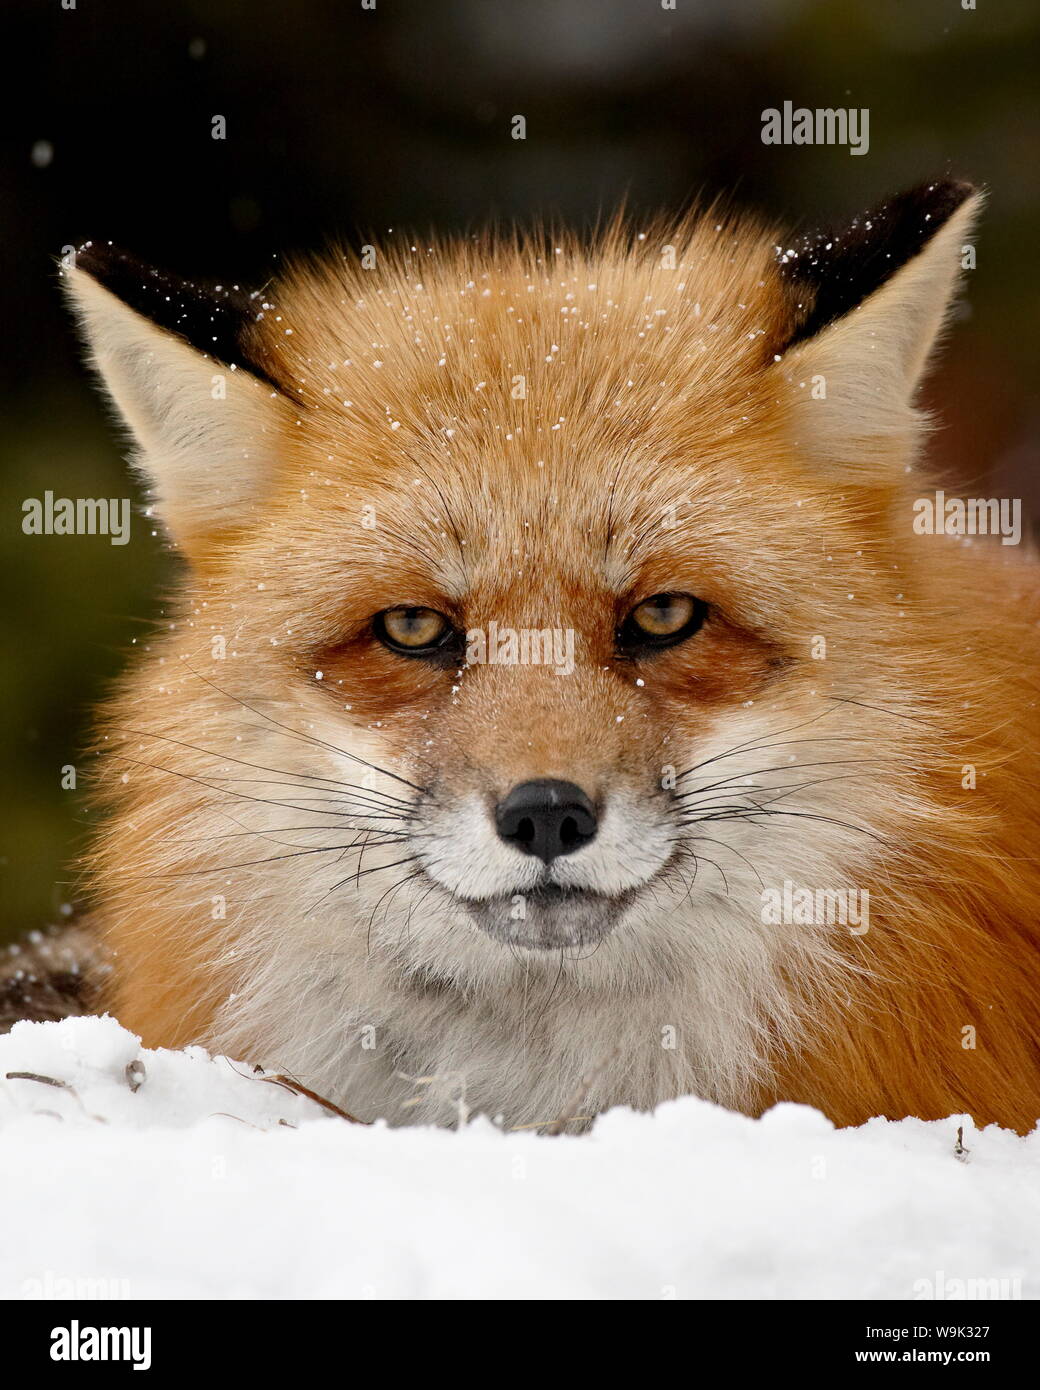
[413, 631]
[661, 621]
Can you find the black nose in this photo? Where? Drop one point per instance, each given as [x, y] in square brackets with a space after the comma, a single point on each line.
[546, 818]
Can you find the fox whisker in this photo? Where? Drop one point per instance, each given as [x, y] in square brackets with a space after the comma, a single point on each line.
[224, 791]
[307, 738]
[332, 783]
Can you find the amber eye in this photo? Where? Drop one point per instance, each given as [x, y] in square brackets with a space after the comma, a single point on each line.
[413, 631]
[661, 621]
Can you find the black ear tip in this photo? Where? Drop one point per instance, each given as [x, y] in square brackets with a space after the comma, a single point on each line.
[936, 201]
[100, 260]
[128, 277]
[957, 190]
[214, 319]
[166, 299]
[963, 188]
[831, 272]
[952, 191]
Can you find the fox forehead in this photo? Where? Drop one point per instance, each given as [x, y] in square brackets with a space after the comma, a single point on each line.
[460, 525]
[429, 337]
[474, 407]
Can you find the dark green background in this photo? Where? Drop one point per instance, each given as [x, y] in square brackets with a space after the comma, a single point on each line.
[341, 120]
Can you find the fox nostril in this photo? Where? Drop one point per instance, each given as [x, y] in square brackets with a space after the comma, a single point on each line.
[525, 830]
[547, 818]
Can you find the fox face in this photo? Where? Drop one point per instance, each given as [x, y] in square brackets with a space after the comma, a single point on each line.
[546, 609]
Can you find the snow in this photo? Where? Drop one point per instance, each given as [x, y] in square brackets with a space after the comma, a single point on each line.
[207, 1181]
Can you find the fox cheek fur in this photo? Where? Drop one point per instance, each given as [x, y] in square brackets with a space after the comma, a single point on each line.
[310, 857]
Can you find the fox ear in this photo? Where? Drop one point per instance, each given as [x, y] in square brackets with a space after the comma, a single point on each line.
[204, 414]
[867, 305]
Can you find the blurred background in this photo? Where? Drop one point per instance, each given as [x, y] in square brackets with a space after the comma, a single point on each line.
[342, 120]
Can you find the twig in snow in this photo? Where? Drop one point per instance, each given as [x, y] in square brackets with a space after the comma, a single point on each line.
[298, 1088]
[289, 1083]
[226, 1115]
[60, 1085]
[43, 1080]
[959, 1150]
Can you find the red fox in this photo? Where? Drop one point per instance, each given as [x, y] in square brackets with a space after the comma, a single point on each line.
[563, 705]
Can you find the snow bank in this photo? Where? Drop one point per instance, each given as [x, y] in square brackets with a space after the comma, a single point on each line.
[206, 1181]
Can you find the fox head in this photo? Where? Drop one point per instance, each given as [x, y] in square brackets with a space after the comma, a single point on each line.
[544, 605]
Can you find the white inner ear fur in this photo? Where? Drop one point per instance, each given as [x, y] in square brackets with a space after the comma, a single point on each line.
[853, 383]
[206, 436]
